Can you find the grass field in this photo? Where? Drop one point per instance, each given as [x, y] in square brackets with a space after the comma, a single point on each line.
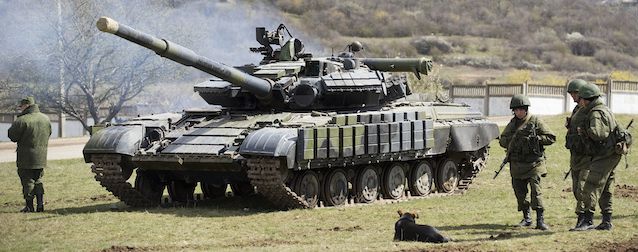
[82, 216]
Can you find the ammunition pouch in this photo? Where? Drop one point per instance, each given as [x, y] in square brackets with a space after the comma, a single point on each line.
[527, 149]
[574, 143]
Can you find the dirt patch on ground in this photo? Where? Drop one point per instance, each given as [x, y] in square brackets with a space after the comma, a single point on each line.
[13, 204]
[625, 246]
[627, 191]
[348, 229]
[447, 247]
[94, 198]
[568, 189]
[501, 236]
[125, 248]
[262, 243]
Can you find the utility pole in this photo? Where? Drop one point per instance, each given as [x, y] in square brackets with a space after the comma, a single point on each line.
[61, 116]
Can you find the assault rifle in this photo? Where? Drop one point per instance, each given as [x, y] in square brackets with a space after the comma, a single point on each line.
[505, 161]
[628, 127]
[509, 147]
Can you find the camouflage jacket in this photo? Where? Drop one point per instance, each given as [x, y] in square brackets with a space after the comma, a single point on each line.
[31, 132]
[527, 136]
[578, 158]
[596, 129]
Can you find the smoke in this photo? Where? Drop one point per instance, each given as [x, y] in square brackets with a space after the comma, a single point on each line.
[22, 34]
[220, 30]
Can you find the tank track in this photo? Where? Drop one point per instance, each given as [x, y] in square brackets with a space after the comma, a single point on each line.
[478, 164]
[109, 173]
[264, 173]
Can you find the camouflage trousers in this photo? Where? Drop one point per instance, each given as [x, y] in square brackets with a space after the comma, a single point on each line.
[599, 184]
[520, 187]
[578, 182]
[31, 180]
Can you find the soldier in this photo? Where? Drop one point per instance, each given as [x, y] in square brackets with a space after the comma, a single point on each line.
[595, 133]
[524, 137]
[578, 161]
[31, 132]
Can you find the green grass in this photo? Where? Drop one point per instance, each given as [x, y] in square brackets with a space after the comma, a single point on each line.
[83, 216]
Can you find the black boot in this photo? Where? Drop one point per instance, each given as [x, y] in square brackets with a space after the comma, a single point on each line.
[579, 222]
[606, 224]
[28, 206]
[527, 220]
[588, 222]
[40, 202]
[540, 220]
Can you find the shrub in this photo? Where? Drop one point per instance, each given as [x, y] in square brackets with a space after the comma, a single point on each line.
[581, 46]
[523, 64]
[575, 64]
[518, 76]
[623, 76]
[427, 44]
[615, 59]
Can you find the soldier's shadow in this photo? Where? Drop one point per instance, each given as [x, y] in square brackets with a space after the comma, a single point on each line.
[491, 231]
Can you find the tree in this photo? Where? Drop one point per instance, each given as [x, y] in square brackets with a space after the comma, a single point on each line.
[100, 74]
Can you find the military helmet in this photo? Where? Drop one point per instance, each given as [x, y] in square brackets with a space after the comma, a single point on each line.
[518, 101]
[589, 90]
[574, 85]
[29, 100]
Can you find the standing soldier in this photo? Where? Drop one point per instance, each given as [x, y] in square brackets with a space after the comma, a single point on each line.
[31, 132]
[578, 161]
[595, 132]
[524, 138]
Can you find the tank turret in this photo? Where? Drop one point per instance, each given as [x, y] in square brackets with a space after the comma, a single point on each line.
[287, 78]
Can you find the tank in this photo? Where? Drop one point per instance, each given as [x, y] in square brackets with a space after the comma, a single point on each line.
[300, 130]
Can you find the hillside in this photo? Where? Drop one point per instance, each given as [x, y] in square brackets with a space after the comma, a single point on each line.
[565, 37]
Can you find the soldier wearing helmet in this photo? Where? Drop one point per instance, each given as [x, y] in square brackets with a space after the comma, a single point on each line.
[524, 138]
[579, 160]
[595, 132]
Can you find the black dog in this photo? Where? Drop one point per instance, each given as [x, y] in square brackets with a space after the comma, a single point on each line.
[406, 229]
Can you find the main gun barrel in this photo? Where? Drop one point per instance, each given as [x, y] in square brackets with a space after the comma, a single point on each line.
[175, 52]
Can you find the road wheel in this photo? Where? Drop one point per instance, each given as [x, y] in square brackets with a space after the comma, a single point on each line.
[336, 188]
[212, 190]
[308, 187]
[421, 178]
[242, 189]
[393, 181]
[367, 185]
[447, 177]
[181, 191]
[149, 185]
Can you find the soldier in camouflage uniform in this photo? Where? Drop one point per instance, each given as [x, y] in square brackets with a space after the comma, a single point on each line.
[524, 138]
[579, 160]
[31, 131]
[595, 133]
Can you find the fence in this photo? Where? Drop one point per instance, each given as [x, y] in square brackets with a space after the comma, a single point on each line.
[493, 99]
[72, 128]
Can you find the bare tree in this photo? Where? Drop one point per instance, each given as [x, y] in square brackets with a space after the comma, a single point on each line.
[100, 74]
